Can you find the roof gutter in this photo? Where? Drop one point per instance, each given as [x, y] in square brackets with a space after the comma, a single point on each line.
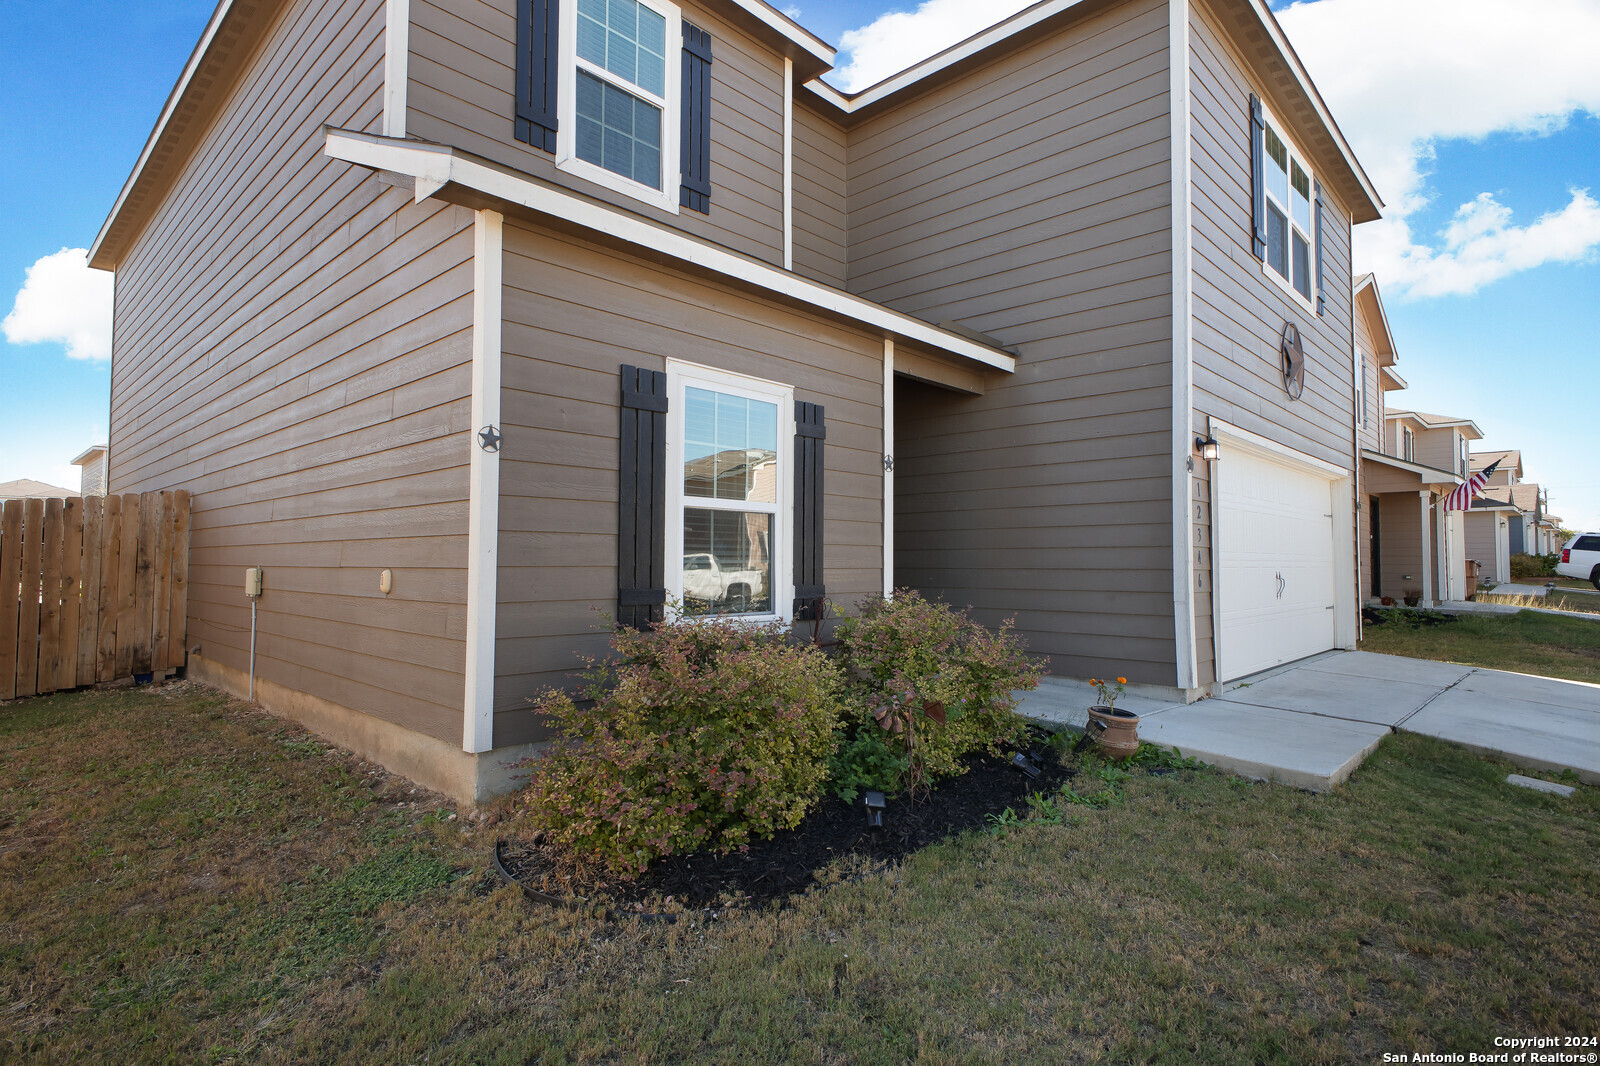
[435, 169]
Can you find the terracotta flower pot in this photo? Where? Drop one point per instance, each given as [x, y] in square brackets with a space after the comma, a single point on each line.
[1115, 731]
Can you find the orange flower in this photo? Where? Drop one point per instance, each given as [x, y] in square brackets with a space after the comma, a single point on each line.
[1122, 681]
[1092, 681]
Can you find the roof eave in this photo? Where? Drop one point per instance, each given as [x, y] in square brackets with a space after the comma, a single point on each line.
[440, 170]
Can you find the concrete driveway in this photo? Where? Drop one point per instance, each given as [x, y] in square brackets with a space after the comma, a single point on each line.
[1310, 724]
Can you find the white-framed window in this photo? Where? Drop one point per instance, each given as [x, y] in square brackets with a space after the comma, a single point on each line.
[1466, 458]
[619, 90]
[1291, 258]
[730, 497]
[1408, 444]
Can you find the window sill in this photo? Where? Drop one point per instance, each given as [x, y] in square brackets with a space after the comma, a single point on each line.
[581, 168]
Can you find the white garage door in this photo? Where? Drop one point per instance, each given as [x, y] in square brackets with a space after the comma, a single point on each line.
[1275, 577]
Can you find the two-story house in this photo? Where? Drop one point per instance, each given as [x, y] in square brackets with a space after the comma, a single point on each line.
[1435, 563]
[1507, 516]
[1410, 546]
[466, 322]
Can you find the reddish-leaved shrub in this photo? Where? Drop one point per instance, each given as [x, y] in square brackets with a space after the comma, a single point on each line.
[700, 734]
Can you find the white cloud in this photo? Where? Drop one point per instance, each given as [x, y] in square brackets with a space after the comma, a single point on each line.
[64, 302]
[895, 41]
[1403, 75]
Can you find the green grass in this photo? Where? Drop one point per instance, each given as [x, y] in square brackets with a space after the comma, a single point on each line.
[1526, 642]
[182, 879]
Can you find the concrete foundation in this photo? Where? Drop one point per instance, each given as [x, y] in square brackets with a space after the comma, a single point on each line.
[432, 763]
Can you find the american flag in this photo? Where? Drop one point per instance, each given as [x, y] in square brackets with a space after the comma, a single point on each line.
[1461, 498]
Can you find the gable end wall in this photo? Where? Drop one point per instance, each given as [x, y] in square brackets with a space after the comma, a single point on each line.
[1049, 498]
[293, 345]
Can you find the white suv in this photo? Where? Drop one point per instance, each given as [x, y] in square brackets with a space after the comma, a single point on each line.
[1581, 558]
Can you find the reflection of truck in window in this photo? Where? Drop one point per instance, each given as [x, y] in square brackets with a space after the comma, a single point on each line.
[706, 582]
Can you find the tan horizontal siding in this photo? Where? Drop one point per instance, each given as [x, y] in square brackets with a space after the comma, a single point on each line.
[1240, 312]
[461, 92]
[1031, 200]
[820, 158]
[293, 342]
[575, 313]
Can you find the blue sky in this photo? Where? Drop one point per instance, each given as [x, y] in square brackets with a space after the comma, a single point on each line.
[1495, 319]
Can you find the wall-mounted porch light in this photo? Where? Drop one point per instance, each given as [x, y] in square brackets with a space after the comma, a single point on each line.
[1207, 447]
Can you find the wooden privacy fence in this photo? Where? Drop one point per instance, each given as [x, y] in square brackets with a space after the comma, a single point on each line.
[91, 590]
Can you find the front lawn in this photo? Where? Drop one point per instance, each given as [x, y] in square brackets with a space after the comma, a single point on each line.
[184, 879]
[1527, 642]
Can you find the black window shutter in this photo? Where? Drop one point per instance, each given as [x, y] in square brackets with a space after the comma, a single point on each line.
[695, 152]
[1322, 293]
[642, 499]
[538, 64]
[809, 433]
[1258, 177]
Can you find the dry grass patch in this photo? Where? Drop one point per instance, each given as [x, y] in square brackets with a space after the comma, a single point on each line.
[1554, 600]
[253, 898]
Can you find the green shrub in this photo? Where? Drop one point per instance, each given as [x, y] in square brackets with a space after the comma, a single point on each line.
[1523, 565]
[866, 760]
[701, 735]
[937, 684]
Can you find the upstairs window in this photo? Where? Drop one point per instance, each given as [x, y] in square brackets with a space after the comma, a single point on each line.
[618, 104]
[621, 88]
[1408, 444]
[619, 91]
[1287, 212]
[1289, 243]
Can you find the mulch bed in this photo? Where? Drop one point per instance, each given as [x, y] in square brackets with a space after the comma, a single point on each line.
[788, 864]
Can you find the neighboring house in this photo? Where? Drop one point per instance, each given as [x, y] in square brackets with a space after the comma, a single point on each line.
[526, 303]
[93, 464]
[1522, 528]
[1548, 530]
[28, 489]
[1494, 511]
[1410, 461]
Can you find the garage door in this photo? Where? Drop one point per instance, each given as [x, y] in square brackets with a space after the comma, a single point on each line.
[1275, 564]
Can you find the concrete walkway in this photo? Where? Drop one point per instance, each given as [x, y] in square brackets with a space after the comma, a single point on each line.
[1310, 724]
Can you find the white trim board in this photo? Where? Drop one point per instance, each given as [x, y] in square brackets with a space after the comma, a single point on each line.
[788, 164]
[791, 29]
[1023, 21]
[434, 166]
[483, 506]
[888, 467]
[1187, 662]
[1018, 23]
[396, 65]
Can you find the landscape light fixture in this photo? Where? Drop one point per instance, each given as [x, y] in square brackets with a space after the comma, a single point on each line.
[1207, 446]
[1029, 766]
[875, 804]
